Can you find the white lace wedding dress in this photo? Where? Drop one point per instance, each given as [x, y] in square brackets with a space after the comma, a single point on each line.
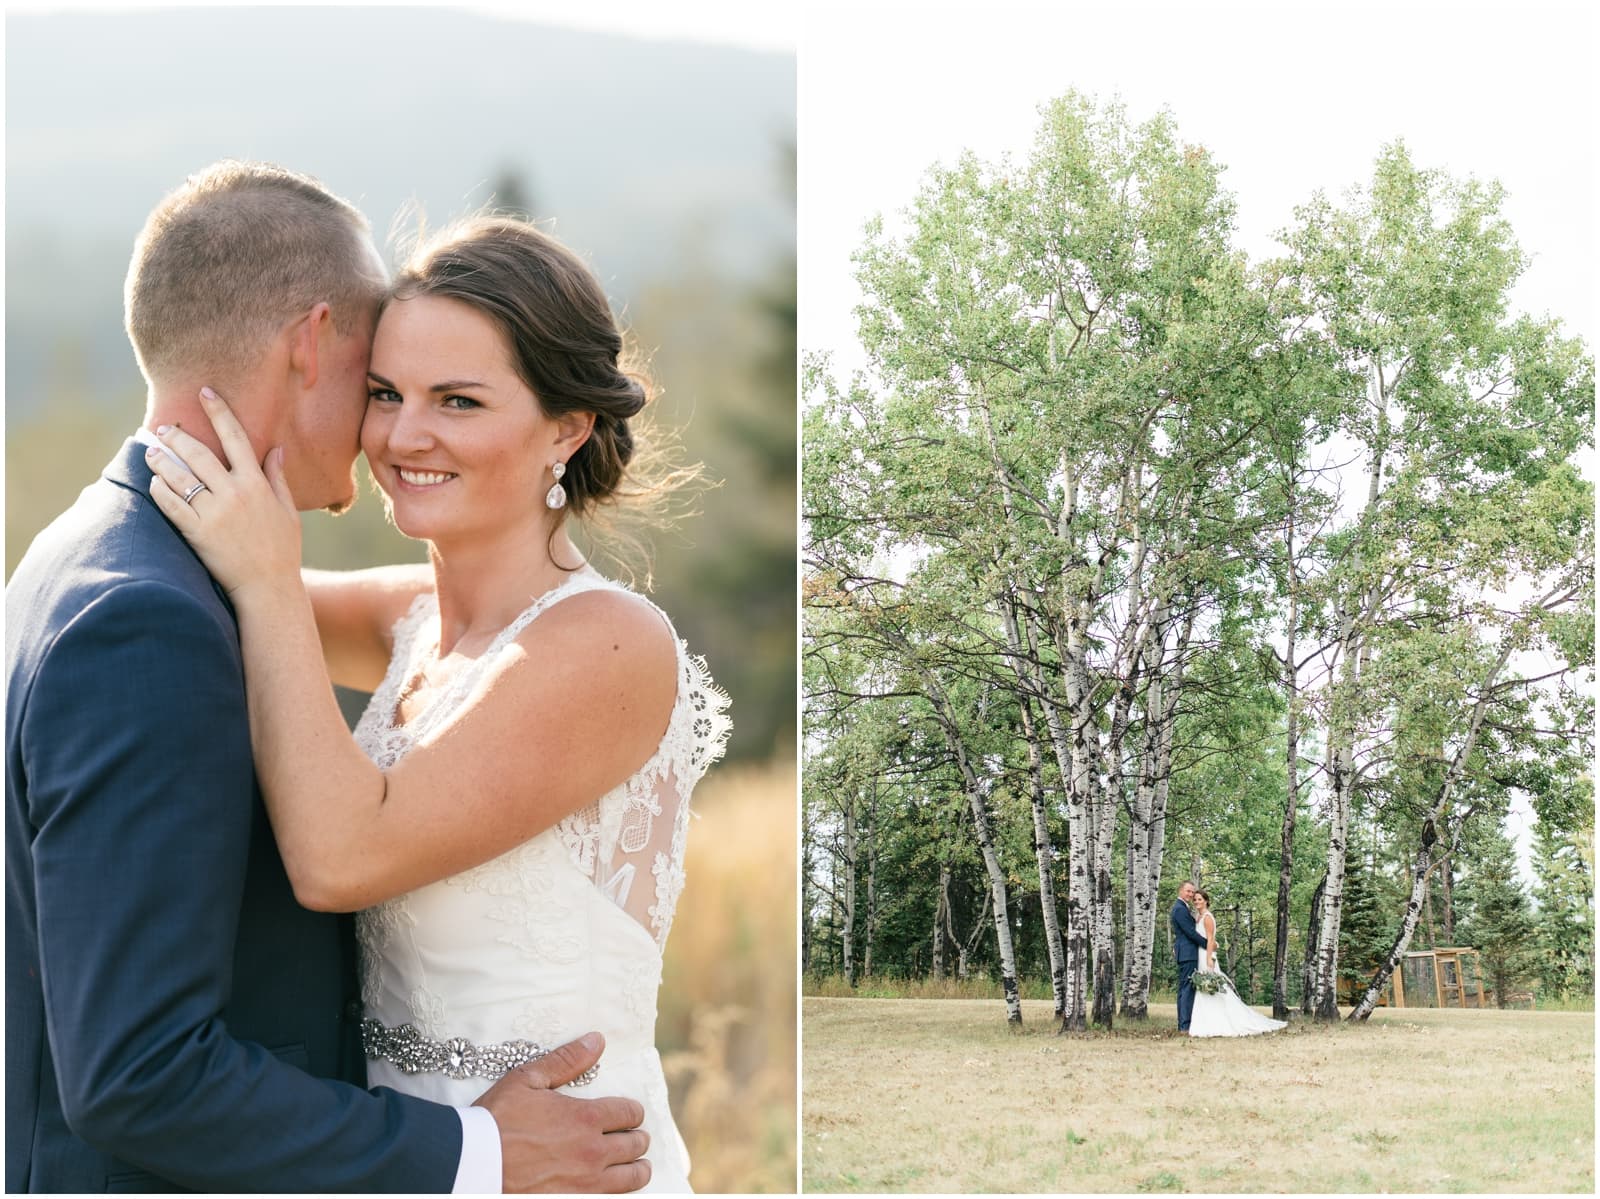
[557, 937]
[1225, 1014]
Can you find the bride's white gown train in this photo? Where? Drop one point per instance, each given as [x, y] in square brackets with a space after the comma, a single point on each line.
[1225, 1015]
[557, 937]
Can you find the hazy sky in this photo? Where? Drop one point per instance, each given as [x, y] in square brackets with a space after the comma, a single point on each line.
[1291, 98]
[754, 26]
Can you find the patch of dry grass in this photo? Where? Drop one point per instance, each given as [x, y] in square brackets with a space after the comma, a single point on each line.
[877, 986]
[726, 1028]
[938, 1096]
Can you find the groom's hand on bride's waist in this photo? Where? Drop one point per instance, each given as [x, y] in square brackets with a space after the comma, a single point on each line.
[551, 1142]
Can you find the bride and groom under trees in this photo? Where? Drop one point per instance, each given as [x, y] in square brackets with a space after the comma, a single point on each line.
[1208, 1005]
[1126, 548]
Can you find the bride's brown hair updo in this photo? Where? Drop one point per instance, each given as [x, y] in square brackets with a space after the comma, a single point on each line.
[565, 344]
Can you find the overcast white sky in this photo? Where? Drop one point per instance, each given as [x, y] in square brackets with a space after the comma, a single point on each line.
[1290, 97]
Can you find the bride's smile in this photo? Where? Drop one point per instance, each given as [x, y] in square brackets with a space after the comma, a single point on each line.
[456, 440]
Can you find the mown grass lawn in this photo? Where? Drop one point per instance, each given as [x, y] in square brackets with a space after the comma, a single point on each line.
[938, 1096]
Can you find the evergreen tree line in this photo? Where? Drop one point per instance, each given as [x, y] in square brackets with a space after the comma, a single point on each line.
[1129, 560]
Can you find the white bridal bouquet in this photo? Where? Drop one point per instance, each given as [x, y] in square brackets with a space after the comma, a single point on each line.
[1210, 982]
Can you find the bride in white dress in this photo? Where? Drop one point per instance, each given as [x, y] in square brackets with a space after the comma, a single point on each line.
[510, 817]
[1223, 1014]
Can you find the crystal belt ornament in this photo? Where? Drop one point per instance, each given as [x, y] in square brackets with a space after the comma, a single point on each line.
[457, 1058]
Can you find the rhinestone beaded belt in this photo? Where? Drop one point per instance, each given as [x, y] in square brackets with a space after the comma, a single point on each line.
[458, 1057]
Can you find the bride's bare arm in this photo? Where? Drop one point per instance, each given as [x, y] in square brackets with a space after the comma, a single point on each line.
[573, 707]
[1211, 939]
[356, 611]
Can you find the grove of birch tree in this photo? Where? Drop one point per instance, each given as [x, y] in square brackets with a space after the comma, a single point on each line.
[1128, 558]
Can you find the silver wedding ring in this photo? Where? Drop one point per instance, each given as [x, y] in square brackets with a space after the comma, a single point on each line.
[188, 496]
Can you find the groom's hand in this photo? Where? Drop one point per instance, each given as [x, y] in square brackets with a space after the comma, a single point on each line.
[550, 1142]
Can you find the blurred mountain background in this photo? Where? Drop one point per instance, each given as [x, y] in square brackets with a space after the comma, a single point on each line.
[669, 165]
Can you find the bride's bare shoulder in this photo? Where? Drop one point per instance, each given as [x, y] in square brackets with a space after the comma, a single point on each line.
[606, 631]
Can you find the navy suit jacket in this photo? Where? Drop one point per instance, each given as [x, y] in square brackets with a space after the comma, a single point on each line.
[174, 1019]
[1186, 939]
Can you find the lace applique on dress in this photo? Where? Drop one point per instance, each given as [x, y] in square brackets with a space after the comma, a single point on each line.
[527, 902]
[613, 842]
[427, 1011]
[379, 739]
[375, 931]
[540, 1025]
[639, 989]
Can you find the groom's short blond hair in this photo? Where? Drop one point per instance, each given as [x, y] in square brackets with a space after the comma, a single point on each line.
[230, 256]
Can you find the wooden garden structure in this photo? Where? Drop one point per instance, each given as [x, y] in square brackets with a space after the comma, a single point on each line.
[1445, 973]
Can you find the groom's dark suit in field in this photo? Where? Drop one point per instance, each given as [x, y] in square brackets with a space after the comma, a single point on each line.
[174, 1018]
[1186, 946]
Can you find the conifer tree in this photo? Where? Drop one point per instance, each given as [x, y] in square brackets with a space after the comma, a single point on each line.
[1500, 923]
[1563, 862]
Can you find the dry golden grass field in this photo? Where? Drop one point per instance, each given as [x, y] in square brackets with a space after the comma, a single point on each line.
[938, 1096]
[727, 1017]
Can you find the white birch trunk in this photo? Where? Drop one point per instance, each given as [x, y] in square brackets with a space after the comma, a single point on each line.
[1155, 779]
[1342, 733]
[964, 948]
[1280, 946]
[1325, 1000]
[1044, 855]
[849, 898]
[1102, 936]
[872, 880]
[1125, 664]
[1030, 678]
[1422, 862]
[1043, 846]
[1308, 968]
[1002, 924]
[991, 858]
[805, 899]
[1080, 805]
[1140, 902]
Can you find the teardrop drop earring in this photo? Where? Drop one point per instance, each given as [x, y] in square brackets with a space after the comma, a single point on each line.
[556, 497]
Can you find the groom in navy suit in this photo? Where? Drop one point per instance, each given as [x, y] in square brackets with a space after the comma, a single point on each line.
[1186, 946]
[174, 1018]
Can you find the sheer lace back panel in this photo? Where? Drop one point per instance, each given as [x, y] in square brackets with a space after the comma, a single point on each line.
[629, 842]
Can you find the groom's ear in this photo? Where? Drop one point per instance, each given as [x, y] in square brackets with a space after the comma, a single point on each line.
[305, 342]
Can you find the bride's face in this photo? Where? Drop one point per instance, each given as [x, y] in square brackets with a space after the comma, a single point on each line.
[455, 438]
